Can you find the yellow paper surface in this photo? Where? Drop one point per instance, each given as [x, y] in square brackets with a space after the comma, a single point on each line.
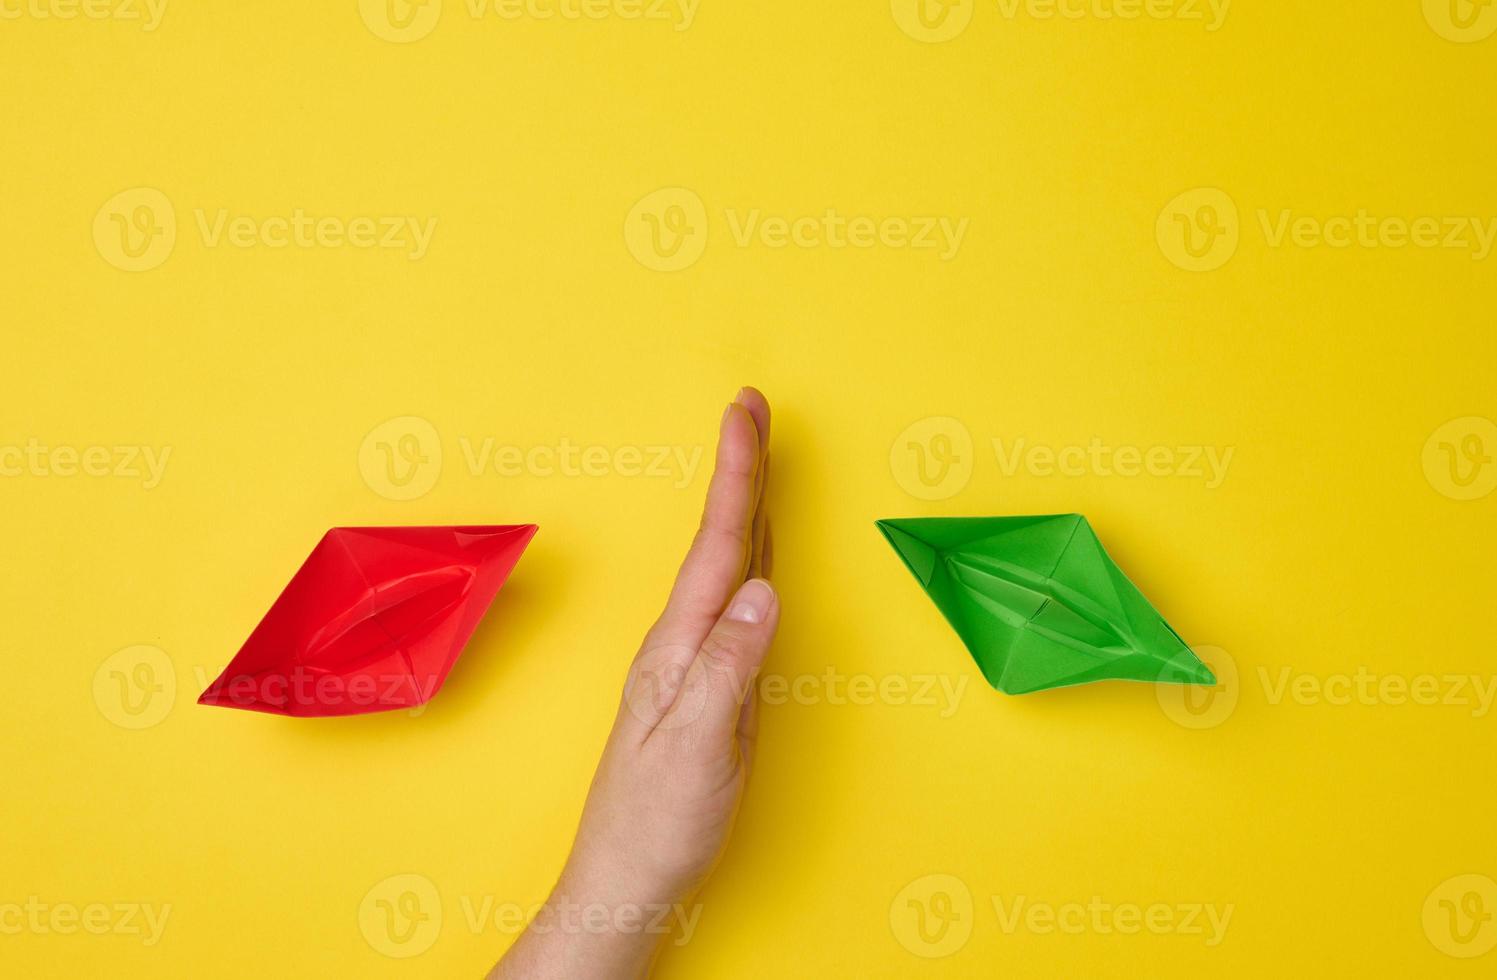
[435, 268]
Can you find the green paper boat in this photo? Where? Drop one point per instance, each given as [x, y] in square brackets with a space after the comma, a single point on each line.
[1039, 603]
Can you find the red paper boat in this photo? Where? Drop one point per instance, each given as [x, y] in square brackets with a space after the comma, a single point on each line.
[372, 621]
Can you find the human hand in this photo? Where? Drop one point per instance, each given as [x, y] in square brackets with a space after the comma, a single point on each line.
[667, 789]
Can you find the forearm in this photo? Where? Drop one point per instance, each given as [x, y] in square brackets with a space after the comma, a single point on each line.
[591, 926]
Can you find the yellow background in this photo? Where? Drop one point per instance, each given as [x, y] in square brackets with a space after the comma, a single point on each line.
[1326, 549]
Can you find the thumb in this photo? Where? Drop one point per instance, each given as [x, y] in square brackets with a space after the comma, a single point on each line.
[722, 676]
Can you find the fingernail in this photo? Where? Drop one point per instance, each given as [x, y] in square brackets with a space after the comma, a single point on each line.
[739, 397]
[726, 410]
[752, 602]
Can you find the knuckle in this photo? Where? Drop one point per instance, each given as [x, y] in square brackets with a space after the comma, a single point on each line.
[720, 648]
[718, 533]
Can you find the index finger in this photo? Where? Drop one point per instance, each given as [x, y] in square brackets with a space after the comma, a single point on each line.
[717, 562]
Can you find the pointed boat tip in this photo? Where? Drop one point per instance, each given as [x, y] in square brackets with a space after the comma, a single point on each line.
[1199, 672]
[1195, 673]
[210, 693]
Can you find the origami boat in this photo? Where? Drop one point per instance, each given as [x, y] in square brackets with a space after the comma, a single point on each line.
[372, 621]
[1039, 603]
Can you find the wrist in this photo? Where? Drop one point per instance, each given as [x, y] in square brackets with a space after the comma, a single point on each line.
[610, 880]
[589, 926]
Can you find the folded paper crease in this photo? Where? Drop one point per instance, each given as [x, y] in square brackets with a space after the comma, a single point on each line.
[372, 621]
[1039, 603]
